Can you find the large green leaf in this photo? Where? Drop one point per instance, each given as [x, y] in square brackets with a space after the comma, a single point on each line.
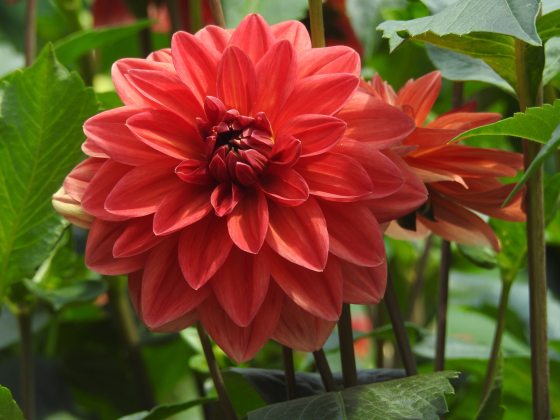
[42, 110]
[69, 49]
[419, 396]
[552, 60]
[9, 410]
[162, 412]
[272, 11]
[549, 25]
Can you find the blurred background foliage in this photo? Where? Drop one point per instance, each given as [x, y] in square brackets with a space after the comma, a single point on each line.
[93, 361]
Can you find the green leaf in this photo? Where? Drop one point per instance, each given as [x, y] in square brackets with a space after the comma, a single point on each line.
[549, 25]
[420, 396]
[272, 11]
[515, 18]
[478, 255]
[242, 392]
[461, 67]
[82, 291]
[548, 149]
[537, 124]
[42, 109]
[552, 60]
[162, 412]
[512, 256]
[69, 49]
[9, 410]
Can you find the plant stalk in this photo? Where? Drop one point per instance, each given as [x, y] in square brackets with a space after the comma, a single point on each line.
[217, 13]
[289, 372]
[317, 23]
[443, 298]
[27, 366]
[346, 340]
[30, 31]
[195, 12]
[174, 15]
[420, 278]
[216, 375]
[399, 329]
[497, 342]
[534, 205]
[324, 369]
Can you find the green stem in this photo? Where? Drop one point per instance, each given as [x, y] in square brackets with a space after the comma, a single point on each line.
[419, 279]
[497, 342]
[126, 321]
[443, 297]
[399, 329]
[289, 372]
[216, 375]
[30, 31]
[195, 9]
[346, 340]
[27, 367]
[317, 23]
[218, 13]
[324, 369]
[534, 205]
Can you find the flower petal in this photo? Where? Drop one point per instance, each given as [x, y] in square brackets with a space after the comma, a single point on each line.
[285, 186]
[364, 285]
[317, 133]
[185, 205]
[252, 35]
[200, 263]
[165, 295]
[293, 31]
[78, 180]
[299, 234]
[225, 198]
[167, 133]
[99, 250]
[242, 343]
[336, 59]
[336, 177]
[214, 37]
[137, 238]
[236, 80]
[354, 234]
[248, 222]
[420, 95]
[241, 285]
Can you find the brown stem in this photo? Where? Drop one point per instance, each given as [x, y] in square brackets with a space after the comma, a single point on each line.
[324, 370]
[216, 375]
[399, 329]
[30, 32]
[346, 340]
[218, 13]
[420, 278]
[289, 372]
[443, 297]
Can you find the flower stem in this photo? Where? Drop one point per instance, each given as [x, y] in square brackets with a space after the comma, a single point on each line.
[443, 297]
[27, 368]
[195, 11]
[30, 31]
[399, 329]
[534, 204]
[497, 342]
[218, 13]
[216, 375]
[317, 24]
[174, 15]
[289, 372]
[420, 278]
[324, 370]
[346, 340]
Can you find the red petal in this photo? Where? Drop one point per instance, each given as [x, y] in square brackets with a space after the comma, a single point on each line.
[236, 80]
[335, 177]
[78, 180]
[317, 293]
[317, 133]
[99, 250]
[354, 234]
[242, 343]
[364, 285]
[430, 137]
[285, 186]
[299, 234]
[161, 56]
[141, 191]
[165, 295]
[248, 222]
[420, 95]
[371, 120]
[185, 205]
[136, 238]
[337, 59]
[199, 263]
[224, 198]
[241, 286]
[167, 133]
[299, 330]
[253, 35]
[195, 63]
[293, 31]
[463, 121]
[214, 37]
[91, 149]
[276, 75]
[108, 131]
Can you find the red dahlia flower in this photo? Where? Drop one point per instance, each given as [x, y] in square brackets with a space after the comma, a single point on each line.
[460, 179]
[240, 184]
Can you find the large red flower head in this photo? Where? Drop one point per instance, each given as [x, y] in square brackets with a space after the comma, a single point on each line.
[459, 178]
[240, 185]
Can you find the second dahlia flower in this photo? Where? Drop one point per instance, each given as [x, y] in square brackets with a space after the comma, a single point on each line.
[236, 187]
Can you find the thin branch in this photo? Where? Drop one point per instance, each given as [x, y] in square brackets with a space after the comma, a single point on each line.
[420, 278]
[30, 32]
[324, 369]
[346, 340]
[317, 23]
[218, 13]
[289, 372]
[443, 297]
